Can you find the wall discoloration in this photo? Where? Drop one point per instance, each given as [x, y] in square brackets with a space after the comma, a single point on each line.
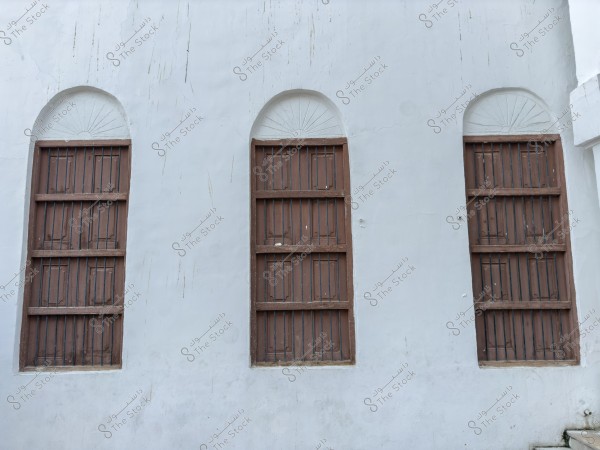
[190, 60]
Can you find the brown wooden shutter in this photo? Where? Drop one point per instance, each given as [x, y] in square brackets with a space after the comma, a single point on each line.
[302, 294]
[518, 225]
[72, 310]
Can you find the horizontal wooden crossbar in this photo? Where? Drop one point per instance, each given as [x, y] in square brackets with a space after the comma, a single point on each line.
[529, 248]
[528, 305]
[299, 194]
[300, 306]
[74, 310]
[512, 192]
[529, 363]
[45, 144]
[299, 141]
[513, 138]
[300, 249]
[100, 197]
[77, 253]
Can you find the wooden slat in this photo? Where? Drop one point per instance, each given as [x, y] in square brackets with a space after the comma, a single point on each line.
[300, 306]
[528, 305]
[529, 363]
[512, 138]
[299, 194]
[81, 368]
[80, 197]
[530, 248]
[74, 310]
[90, 143]
[301, 249]
[301, 141]
[349, 256]
[568, 267]
[77, 253]
[306, 362]
[253, 271]
[513, 192]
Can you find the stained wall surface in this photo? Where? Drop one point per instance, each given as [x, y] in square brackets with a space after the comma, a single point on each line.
[397, 76]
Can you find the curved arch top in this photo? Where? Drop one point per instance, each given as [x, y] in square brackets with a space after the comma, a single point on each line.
[81, 113]
[298, 114]
[508, 112]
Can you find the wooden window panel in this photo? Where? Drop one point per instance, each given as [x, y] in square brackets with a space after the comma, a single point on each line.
[282, 278]
[302, 294]
[517, 217]
[293, 337]
[73, 310]
[321, 219]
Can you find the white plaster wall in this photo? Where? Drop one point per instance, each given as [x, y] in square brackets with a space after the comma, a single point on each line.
[189, 64]
[584, 19]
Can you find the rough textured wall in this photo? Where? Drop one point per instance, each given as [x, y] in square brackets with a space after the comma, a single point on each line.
[193, 57]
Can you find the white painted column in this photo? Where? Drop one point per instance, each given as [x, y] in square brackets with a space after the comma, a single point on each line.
[585, 99]
[585, 110]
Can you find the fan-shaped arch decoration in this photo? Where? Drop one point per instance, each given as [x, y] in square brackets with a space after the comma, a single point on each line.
[82, 113]
[298, 114]
[508, 112]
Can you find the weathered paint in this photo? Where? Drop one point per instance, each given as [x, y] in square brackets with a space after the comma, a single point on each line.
[189, 62]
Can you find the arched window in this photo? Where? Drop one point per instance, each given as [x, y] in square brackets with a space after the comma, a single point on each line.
[301, 241]
[518, 222]
[73, 303]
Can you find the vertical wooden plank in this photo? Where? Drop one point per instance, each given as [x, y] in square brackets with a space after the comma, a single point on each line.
[253, 271]
[35, 186]
[349, 257]
[568, 259]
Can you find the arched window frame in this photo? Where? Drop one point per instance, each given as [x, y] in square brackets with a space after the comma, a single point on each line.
[524, 302]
